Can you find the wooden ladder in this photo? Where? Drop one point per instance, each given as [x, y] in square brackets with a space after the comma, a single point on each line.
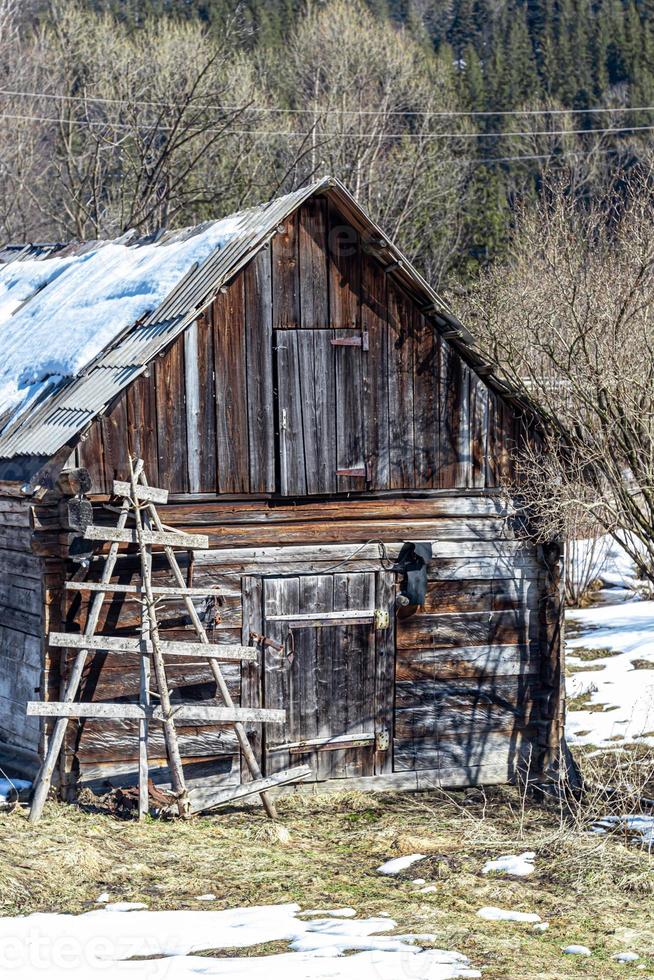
[139, 501]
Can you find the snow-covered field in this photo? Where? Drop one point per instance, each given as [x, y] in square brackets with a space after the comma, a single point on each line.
[617, 641]
[129, 942]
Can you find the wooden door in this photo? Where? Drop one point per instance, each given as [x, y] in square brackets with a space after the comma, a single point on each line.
[320, 408]
[328, 669]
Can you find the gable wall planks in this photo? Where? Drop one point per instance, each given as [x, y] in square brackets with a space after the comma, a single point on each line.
[373, 322]
[344, 250]
[141, 419]
[200, 404]
[400, 388]
[257, 284]
[232, 462]
[286, 277]
[426, 386]
[171, 418]
[313, 266]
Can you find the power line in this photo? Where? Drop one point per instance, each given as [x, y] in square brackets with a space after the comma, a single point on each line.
[335, 112]
[336, 135]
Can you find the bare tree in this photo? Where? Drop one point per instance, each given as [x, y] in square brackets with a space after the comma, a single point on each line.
[367, 99]
[570, 320]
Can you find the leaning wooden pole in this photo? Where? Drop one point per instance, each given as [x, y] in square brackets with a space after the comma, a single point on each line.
[144, 700]
[170, 735]
[44, 778]
[239, 728]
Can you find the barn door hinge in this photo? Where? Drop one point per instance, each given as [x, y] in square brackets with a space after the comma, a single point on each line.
[382, 740]
[382, 619]
[362, 341]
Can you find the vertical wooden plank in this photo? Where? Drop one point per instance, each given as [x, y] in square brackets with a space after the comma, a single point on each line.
[425, 404]
[312, 655]
[142, 422]
[314, 293]
[350, 446]
[355, 652]
[449, 409]
[92, 457]
[200, 406]
[400, 389]
[384, 673]
[492, 440]
[252, 673]
[207, 404]
[231, 390]
[479, 410]
[114, 440]
[464, 441]
[257, 282]
[344, 272]
[281, 596]
[192, 390]
[286, 277]
[171, 418]
[374, 314]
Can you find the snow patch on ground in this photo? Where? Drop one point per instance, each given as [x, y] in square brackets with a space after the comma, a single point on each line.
[626, 957]
[493, 914]
[638, 824]
[57, 314]
[105, 942]
[520, 865]
[346, 913]
[626, 631]
[395, 865]
[575, 950]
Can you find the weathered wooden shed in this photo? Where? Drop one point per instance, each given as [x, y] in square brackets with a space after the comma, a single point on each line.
[312, 405]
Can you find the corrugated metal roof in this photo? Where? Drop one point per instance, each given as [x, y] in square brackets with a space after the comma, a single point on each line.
[65, 410]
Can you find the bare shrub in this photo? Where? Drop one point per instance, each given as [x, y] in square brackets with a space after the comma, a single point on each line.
[569, 320]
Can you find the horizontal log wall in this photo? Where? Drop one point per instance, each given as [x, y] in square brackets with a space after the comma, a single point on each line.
[21, 631]
[471, 695]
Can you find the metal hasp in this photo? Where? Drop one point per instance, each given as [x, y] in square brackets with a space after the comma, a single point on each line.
[412, 563]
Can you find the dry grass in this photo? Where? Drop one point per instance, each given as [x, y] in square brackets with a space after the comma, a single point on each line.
[594, 890]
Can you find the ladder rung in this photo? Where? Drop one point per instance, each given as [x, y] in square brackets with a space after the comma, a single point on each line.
[95, 532]
[155, 494]
[206, 799]
[165, 590]
[133, 644]
[180, 712]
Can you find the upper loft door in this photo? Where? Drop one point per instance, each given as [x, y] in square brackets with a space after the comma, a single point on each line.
[320, 410]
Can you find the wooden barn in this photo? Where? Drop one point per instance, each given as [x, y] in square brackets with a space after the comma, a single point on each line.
[312, 407]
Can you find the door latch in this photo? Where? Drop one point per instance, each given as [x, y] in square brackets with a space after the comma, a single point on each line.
[382, 740]
[382, 619]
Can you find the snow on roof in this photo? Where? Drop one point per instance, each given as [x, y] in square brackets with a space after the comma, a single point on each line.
[57, 313]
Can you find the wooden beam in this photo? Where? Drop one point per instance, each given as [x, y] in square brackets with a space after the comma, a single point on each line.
[169, 538]
[181, 712]
[122, 488]
[133, 644]
[206, 800]
[347, 617]
[164, 590]
[328, 743]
